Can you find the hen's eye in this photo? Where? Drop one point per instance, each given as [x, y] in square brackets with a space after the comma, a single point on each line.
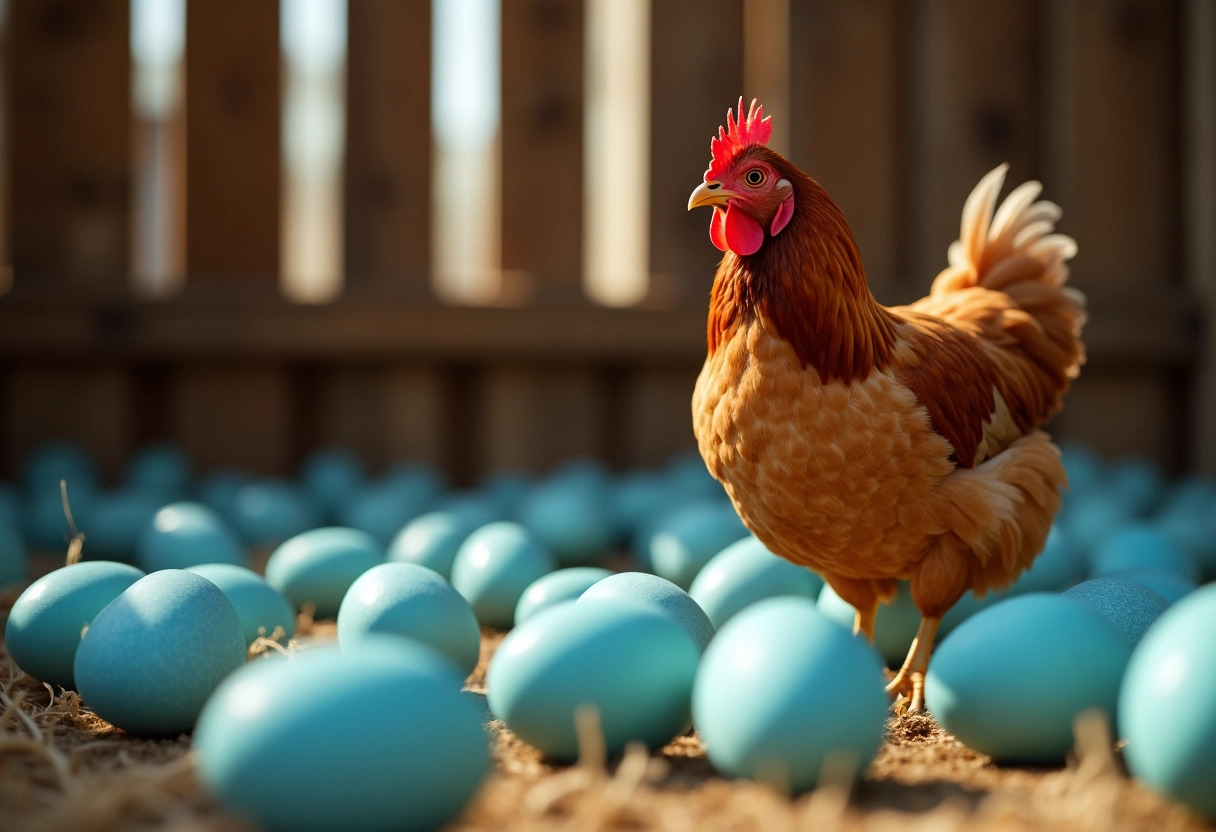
[755, 176]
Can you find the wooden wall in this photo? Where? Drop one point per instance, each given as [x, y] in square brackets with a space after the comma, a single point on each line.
[898, 107]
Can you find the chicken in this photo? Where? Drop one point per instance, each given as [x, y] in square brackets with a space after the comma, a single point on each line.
[876, 444]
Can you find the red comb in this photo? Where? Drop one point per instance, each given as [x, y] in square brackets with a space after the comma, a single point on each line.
[750, 129]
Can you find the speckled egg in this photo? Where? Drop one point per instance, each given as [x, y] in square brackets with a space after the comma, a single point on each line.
[114, 521]
[683, 542]
[1058, 566]
[268, 512]
[405, 599]
[781, 689]
[46, 621]
[747, 572]
[331, 475]
[1140, 546]
[1129, 607]
[260, 607]
[659, 594]
[403, 748]
[1166, 709]
[187, 534]
[160, 467]
[1044, 658]
[494, 566]
[318, 566]
[894, 627]
[431, 540]
[154, 655]
[1169, 585]
[572, 521]
[552, 589]
[632, 664]
[14, 560]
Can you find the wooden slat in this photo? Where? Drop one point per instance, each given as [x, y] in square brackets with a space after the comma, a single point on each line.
[232, 134]
[1122, 411]
[69, 67]
[972, 75]
[536, 418]
[847, 52]
[235, 415]
[388, 145]
[657, 414]
[542, 143]
[697, 63]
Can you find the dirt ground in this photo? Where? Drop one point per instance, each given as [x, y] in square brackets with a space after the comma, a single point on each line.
[63, 768]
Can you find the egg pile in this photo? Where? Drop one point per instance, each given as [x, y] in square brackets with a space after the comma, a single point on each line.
[636, 603]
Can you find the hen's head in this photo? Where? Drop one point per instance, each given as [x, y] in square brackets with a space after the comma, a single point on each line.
[744, 184]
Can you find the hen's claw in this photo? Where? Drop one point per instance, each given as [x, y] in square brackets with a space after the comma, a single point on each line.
[907, 688]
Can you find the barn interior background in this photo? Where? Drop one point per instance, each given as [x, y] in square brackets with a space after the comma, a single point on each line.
[456, 230]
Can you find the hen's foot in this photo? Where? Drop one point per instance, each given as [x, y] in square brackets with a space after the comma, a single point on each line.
[907, 688]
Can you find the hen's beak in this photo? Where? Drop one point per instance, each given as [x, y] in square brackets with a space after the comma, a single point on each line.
[710, 193]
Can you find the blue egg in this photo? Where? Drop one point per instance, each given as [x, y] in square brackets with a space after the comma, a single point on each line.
[415, 476]
[574, 522]
[743, 574]
[632, 664]
[1058, 566]
[267, 512]
[507, 489]
[653, 517]
[318, 566]
[1188, 519]
[160, 467]
[384, 507]
[781, 689]
[1140, 546]
[473, 509]
[1169, 585]
[1083, 464]
[154, 655]
[187, 534]
[330, 475]
[552, 589]
[58, 460]
[632, 499]
[1166, 709]
[580, 472]
[688, 537]
[221, 491]
[259, 606]
[687, 474]
[10, 505]
[14, 560]
[968, 606]
[113, 522]
[43, 522]
[431, 540]
[494, 566]
[657, 593]
[46, 621]
[405, 599]
[894, 627]
[1137, 483]
[410, 765]
[1091, 517]
[1044, 658]
[1130, 608]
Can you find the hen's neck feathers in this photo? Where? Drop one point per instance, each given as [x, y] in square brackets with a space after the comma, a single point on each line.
[809, 285]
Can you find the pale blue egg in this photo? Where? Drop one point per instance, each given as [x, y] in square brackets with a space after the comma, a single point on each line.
[472, 508]
[58, 460]
[46, 621]
[968, 606]
[1169, 585]
[330, 475]
[1188, 518]
[1140, 546]
[507, 489]
[382, 508]
[747, 572]
[1058, 566]
[260, 607]
[411, 763]
[221, 491]
[580, 472]
[1135, 482]
[1166, 709]
[656, 593]
[494, 566]
[1084, 467]
[431, 540]
[113, 522]
[655, 515]
[405, 599]
[781, 689]
[571, 520]
[894, 627]
[160, 467]
[14, 560]
[632, 664]
[632, 499]
[154, 655]
[267, 512]
[10, 505]
[318, 566]
[43, 522]
[687, 474]
[187, 534]
[563, 585]
[686, 539]
[1044, 658]
[1091, 518]
[1129, 607]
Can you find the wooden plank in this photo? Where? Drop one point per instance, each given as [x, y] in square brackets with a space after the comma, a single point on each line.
[388, 145]
[657, 414]
[973, 87]
[847, 52]
[536, 418]
[235, 415]
[1126, 411]
[233, 170]
[542, 144]
[68, 67]
[697, 64]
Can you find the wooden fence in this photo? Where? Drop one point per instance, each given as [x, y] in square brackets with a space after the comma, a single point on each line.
[897, 107]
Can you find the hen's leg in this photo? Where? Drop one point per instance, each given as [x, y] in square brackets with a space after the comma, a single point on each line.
[910, 680]
[864, 596]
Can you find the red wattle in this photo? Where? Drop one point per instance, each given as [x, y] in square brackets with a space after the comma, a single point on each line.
[743, 234]
[784, 212]
[717, 229]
